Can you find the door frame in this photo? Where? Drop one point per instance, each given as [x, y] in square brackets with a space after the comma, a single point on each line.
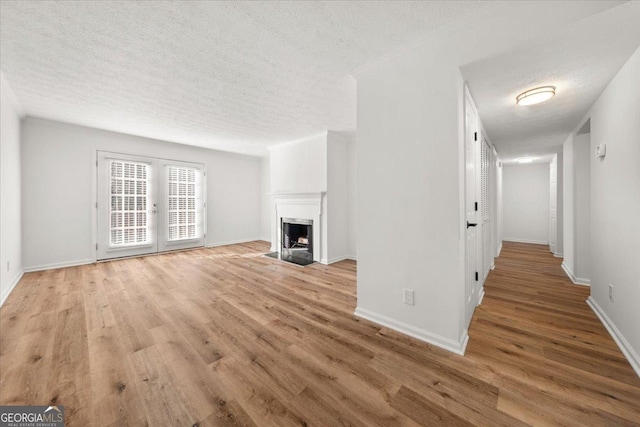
[469, 306]
[95, 150]
[102, 211]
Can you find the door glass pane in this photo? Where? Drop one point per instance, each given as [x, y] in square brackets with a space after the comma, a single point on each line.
[183, 216]
[129, 217]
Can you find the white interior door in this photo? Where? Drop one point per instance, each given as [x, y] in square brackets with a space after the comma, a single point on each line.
[147, 205]
[471, 136]
[126, 206]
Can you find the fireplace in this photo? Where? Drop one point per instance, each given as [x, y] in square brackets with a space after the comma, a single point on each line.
[297, 240]
[298, 209]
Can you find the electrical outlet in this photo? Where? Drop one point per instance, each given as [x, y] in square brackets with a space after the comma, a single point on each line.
[610, 292]
[407, 296]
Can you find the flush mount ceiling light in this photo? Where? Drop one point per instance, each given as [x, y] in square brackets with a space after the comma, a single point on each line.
[535, 96]
[525, 160]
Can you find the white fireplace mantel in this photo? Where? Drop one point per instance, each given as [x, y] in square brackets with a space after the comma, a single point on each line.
[302, 206]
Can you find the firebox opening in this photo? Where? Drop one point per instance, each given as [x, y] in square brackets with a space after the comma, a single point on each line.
[296, 241]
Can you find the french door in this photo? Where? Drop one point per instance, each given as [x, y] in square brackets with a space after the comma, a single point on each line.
[147, 205]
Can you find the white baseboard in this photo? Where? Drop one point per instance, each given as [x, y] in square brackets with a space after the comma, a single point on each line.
[12, 286]
[574, 279]
[617, 336]
[457, 347]
[337, 259]
[481, 296]
[231, 242]
[59, 265]
[534, 242]
[558, 255]
[499, 250]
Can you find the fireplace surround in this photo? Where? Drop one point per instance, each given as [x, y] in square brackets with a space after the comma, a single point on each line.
[304, 209]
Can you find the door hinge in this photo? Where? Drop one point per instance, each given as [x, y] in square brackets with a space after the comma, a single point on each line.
[96, 205]
[96, 246]
[96, 163]
[476, 276]
[476, 206]
[475, 136]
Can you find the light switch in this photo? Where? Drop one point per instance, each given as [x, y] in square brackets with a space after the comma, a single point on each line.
[601, 150]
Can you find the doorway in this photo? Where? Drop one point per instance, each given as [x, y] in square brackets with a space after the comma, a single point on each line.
[147, 205]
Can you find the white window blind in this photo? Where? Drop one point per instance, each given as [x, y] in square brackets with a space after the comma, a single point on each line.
[129, 199]
[183, 200]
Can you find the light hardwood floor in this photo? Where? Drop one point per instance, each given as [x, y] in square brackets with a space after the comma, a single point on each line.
[224, 336]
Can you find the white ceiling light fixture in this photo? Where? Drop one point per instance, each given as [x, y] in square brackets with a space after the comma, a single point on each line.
[536, 96]
[525, 160]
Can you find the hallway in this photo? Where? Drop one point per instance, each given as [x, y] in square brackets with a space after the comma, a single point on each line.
[552, 359]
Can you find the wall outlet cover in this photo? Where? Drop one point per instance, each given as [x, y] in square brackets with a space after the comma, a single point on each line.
[408, 296]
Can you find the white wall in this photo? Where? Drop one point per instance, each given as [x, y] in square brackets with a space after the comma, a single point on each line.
[337, 196]
[58, 223]
[556, 224]
[266, 205]
[525, 192]
[615, 207]
[499, 203]
[409, 141]
[10, 191]
[300, 166]
[352, 218]
[582, 207]
[577, 207]
[568, 191]
[559, 206]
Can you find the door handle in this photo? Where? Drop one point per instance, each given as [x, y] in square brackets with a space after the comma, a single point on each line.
[471, 224]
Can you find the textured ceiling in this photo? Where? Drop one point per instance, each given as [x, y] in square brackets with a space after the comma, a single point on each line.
[580, 60]
[236, 76]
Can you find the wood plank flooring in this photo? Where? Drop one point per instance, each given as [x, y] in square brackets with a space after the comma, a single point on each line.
[224, 336]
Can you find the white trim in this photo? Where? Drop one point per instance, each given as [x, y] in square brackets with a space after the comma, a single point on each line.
[617, 336]
[337, 259]
[534, 242]
[296, 141]
[499, 250]
[304, 206]
[574, 279]
[457, 347]
[481, 296]
[324, 261]
[558, 255]
[230, 242]
[59, 265]
[12, 286]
